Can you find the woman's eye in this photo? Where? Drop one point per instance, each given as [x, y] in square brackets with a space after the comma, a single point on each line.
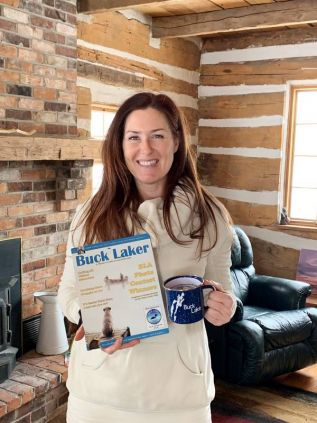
[158, 136]
[133, 138]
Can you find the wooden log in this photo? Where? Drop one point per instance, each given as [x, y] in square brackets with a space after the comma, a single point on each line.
[264, 136]
[274, 260]
[241, 106]
[261, 39]
[248, 173]
[243, 213]
[259, 72]
[109, 76]
[261, 16]
[172, 85]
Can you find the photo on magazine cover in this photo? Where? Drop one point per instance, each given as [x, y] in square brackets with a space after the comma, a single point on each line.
[108, 330]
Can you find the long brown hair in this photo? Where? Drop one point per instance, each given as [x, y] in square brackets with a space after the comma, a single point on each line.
[117, 200]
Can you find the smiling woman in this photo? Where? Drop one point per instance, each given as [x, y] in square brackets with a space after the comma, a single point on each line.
[150, 185]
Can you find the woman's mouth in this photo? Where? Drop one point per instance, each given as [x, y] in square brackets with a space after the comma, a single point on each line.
[147, 163]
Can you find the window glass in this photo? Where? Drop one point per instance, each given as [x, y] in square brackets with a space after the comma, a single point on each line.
[101, 119]
[97, 171]
[304, 203]
[97, 127]
[100, 123]
[301, 165]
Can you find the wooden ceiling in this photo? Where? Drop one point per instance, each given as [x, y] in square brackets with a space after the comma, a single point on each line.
[207, 18]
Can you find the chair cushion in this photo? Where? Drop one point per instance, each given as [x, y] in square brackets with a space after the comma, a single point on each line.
[284, 328]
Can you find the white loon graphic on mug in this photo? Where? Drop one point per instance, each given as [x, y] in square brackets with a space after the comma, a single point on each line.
[177, 303]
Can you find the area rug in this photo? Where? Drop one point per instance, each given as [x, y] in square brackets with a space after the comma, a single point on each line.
[269, 403]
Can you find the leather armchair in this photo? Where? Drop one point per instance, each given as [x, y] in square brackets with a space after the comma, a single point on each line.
[271, 333]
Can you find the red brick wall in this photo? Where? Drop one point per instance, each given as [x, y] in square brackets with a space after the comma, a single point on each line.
[38, 66]
[37, 203]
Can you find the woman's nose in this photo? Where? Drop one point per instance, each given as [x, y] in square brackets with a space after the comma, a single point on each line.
[146, 145]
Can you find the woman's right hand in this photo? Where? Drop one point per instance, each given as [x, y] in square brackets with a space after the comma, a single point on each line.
[117, 345]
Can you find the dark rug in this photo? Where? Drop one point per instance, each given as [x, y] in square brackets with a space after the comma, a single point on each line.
[270, 403]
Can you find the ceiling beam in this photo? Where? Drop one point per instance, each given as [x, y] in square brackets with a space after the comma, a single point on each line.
[261, 16]
[97, 6]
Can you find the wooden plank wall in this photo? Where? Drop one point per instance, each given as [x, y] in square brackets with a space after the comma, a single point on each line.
[117, 57]
[242, 109]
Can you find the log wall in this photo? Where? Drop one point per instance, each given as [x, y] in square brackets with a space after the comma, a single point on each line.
[243, 117]
[113, 65]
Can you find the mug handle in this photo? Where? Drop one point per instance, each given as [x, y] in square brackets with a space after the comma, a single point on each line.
[205, 294]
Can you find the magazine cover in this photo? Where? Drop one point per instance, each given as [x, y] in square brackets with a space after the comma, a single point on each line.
[119, 291]
[307, 268]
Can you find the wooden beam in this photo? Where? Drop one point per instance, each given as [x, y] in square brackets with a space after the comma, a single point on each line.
[97, 6]
[37, 148]
[262, 16]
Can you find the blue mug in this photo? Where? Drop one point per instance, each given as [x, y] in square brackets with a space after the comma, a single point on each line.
[185, 299]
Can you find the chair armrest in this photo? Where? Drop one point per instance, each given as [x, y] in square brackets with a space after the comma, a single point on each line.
[312, 313]
[238, 315]
[245, 352]
[277, 293]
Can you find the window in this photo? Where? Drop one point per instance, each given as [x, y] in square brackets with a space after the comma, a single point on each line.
[101, 118]
[301, 157]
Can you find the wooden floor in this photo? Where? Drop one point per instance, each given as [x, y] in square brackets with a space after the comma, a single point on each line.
[305, 379]
[268, 403]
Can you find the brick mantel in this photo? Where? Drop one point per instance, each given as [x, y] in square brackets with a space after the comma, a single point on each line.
[45, 148]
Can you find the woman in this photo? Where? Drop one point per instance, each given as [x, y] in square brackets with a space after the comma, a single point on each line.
[150, 184]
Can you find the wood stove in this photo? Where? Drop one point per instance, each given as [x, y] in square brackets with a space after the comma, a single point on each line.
[10, 305]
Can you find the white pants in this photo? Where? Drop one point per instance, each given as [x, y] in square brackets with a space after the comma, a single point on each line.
[80, 411]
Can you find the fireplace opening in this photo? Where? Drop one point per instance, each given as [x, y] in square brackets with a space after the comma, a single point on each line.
[10, 305]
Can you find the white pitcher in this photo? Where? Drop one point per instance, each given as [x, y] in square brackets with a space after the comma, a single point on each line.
[52, 334]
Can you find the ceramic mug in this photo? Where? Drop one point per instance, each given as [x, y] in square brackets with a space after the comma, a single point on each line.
[185, 299]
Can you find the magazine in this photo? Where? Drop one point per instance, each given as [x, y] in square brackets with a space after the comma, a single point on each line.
[119, 291]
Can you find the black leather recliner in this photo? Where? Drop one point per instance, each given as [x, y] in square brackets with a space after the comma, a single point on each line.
[271, 333]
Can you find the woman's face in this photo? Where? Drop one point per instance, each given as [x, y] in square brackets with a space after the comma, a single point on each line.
[148, 149]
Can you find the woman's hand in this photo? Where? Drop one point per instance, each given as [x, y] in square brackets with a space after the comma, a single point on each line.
[221, 304]
[118, 345]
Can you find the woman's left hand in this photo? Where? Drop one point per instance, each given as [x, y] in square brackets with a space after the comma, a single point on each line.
[221, 304]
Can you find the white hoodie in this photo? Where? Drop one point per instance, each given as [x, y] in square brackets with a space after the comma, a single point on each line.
[167, 373]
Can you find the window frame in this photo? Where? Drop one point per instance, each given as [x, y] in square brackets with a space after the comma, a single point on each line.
[289, 153]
